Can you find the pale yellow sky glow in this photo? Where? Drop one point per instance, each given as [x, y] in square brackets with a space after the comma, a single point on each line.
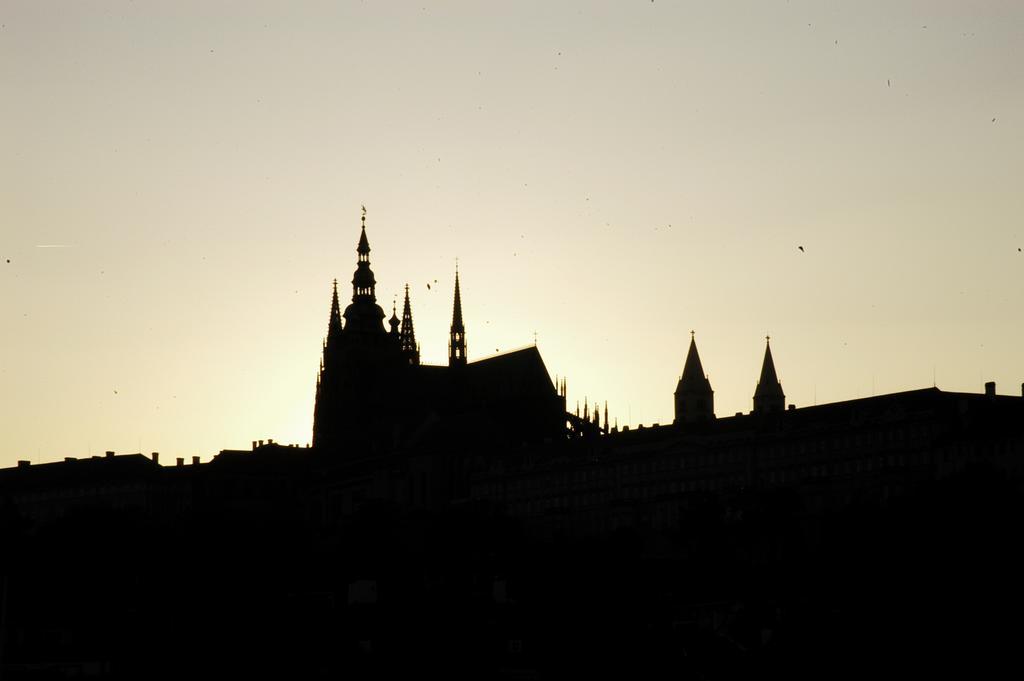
[609, 174]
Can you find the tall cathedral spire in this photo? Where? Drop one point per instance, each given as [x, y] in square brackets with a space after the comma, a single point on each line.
[457, 337]
[768, 395]
[408, 336]
[364, 317]
[695, 400]
[363, 281]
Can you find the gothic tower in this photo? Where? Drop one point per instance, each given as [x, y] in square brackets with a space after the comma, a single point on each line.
[357, 377]
[410, 350]
[768, 396]
[457, 337]
[695, 400]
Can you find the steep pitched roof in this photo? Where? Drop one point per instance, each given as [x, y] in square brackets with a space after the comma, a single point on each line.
[693, 379]
[768, 385]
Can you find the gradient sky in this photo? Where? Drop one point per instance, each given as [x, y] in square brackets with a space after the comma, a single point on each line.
[181, 181]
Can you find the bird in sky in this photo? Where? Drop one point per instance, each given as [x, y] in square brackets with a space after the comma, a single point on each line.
[801, 249]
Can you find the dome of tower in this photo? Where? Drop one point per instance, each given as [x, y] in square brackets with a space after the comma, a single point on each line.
[363, 278]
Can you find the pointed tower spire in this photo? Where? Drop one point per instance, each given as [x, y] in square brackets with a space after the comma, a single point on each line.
[334, 323]
[694, 398]
[768, 395]
[409, 347]
[606, 416]
[457, 337]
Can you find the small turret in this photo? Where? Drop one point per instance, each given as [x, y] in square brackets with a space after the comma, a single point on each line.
[393, 322]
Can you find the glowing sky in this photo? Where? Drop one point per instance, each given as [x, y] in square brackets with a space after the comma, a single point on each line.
[182, 180]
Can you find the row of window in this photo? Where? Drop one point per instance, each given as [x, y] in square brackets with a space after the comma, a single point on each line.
[76, 493]
[543, 496]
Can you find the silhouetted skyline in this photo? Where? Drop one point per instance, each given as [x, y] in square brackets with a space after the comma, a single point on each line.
[182, 184]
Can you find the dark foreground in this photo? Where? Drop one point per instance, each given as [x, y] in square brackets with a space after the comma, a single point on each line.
[749, 587]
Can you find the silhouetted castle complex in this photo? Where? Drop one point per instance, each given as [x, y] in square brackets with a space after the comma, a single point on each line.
[373, 394]
[439, 502]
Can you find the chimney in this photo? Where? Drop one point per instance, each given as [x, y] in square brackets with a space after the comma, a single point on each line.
[270, 442]
[180, 461]
[109, 454]
[24, 464]
[156, 457]
[254, 444]
[990, 388]
[792, 407]
[261, 443]
[195, 460]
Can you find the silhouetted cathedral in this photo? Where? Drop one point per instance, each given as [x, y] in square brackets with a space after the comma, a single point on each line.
[374, 396]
